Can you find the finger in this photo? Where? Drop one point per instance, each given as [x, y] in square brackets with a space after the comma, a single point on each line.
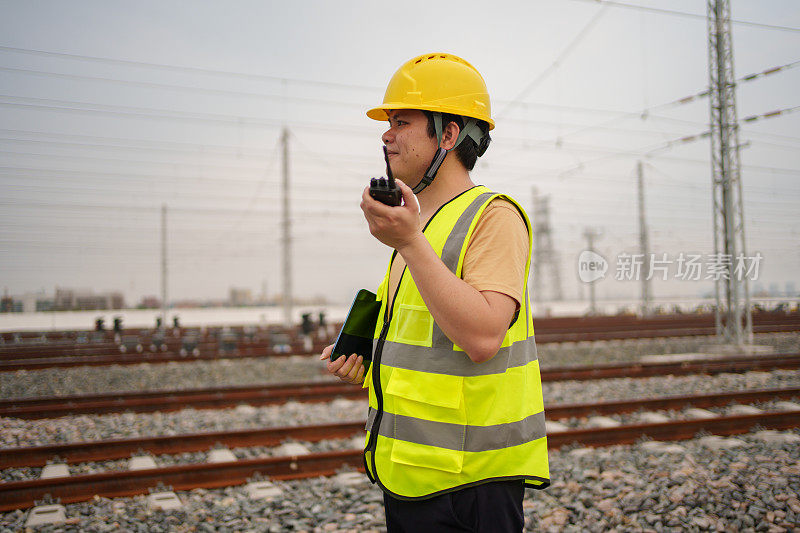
[334, 366]
[354, 371]
[326, 352]
[347, 366]
[409, 198]
[360, 376]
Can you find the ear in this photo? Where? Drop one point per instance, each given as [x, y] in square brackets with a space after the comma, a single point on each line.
[450, 135]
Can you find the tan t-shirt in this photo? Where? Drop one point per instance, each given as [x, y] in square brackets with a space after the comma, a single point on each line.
[496, 254]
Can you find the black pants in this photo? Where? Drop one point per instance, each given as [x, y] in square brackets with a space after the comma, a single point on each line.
[487, 508]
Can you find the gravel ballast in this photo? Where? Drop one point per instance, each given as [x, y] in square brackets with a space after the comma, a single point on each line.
[749, 483]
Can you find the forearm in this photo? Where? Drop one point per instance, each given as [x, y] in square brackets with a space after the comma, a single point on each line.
[462, 312]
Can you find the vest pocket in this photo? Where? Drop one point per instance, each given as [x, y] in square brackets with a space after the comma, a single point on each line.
[441, 390]
[429, 423]
[409, 453]
[414, 325]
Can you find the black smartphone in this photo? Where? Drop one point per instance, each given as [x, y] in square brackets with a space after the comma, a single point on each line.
[359, 328]
[385, 189]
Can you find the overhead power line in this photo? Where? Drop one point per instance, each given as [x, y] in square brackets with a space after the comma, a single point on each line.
[554, 65]
[750, 119]
[704, 93]
[166, 114]
[646, 112]
[185, 88]
[179, 68]
[148, 144]
[686, 14]
[648, 152]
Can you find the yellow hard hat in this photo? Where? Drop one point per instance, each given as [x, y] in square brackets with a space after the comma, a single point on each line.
[441, 83]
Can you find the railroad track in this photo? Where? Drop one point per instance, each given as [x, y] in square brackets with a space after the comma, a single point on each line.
[215, 398]
[122, 448]
[20, 494]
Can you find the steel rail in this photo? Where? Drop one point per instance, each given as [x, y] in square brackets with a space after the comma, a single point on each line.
[120, 448]
[675, 430]
[669, 403]
[612, 334]
[218, 398]
[106, 450]
[20, 494]
[135, 358]
[736, 364]
[214, 398]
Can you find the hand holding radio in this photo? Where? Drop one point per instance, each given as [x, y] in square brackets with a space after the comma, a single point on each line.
[385, 190]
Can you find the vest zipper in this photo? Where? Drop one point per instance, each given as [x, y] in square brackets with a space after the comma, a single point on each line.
[376, 377]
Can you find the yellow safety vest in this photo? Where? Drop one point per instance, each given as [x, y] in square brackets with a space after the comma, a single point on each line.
[438, 421]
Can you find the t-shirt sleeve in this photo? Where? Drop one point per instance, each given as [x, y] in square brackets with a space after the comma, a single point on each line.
[498, 251]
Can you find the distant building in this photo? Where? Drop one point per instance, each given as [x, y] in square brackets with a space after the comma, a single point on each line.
[6, 304]
[240, 297]
[85, 300]
[150, 302]
[29, 302]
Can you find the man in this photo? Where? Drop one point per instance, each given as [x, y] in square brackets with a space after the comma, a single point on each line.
[456, 421]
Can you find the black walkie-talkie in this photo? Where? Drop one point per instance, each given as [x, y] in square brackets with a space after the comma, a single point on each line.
[385, 189]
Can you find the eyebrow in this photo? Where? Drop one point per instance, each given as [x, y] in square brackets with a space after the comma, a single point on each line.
[396, 114]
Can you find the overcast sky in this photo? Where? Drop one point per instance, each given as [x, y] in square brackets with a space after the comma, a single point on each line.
[110, 109]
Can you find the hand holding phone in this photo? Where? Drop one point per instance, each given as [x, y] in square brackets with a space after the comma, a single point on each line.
[355, 337]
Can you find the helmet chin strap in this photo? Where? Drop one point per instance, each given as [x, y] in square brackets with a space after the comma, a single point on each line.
[470, 129]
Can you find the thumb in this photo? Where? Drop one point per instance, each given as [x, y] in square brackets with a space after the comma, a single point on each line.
[409, 198]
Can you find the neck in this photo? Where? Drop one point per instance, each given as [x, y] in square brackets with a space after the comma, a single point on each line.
[451, 180]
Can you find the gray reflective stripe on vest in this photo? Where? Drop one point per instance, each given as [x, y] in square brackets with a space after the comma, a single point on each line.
[459, 437]
[443, 360]
[451, 251]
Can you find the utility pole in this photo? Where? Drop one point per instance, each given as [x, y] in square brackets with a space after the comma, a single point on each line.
[545, 256]
[590, 236]
[286, 238]
[732, 295]
[164, 265]
[644, 241]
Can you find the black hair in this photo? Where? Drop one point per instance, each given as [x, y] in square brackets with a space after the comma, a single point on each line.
[468, 151]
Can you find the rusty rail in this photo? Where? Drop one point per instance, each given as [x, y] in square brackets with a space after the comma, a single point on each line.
[639, 370]
[674, 430]
[20, 494]
[210, 398]
[558, 411]
[106, 450]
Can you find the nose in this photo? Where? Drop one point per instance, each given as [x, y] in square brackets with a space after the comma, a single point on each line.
[387, 136]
